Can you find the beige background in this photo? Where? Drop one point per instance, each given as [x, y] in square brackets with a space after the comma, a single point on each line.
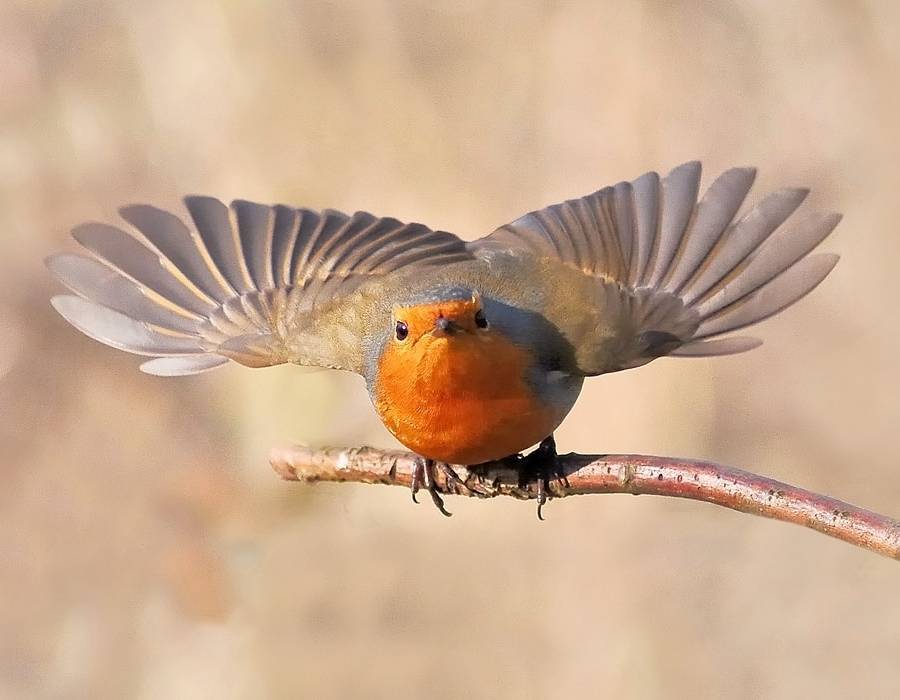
[147, 550]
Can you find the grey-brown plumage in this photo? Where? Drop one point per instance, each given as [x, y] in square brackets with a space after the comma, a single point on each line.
[621, 276]
[680, 267]
[233, 286]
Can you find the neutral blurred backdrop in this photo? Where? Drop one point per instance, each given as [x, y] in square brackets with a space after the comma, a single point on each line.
[146, 548]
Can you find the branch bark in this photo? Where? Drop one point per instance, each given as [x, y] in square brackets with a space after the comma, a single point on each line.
[635, 474]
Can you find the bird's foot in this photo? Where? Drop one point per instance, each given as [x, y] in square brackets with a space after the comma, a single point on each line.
[541, 467]
[424, 475]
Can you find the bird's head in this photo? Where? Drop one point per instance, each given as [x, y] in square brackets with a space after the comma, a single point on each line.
[443, 316]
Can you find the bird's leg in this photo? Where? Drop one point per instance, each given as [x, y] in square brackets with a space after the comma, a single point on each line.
[542, 466]
[424, 476]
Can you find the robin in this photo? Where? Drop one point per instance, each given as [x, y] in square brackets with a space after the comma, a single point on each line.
[471, 352]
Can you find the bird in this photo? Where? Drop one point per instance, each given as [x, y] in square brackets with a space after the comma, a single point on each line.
[472, 352]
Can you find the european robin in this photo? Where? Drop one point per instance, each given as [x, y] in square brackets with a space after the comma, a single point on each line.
[471, 352]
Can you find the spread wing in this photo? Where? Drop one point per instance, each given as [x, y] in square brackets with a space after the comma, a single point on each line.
[674, 275]
[236, 284]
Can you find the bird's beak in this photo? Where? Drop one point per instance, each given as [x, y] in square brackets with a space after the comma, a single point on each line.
[444, 326]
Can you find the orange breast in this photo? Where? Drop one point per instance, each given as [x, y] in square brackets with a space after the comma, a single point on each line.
[462, 399]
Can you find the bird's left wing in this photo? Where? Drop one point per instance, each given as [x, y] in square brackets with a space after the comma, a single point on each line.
[673, 275]
[243, 283]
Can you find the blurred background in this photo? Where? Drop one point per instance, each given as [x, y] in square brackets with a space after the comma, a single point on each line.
[147, 549]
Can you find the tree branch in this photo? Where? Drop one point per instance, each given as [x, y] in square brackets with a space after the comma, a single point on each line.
[634, 474]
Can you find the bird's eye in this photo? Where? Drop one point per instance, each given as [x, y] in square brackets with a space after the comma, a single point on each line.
[480, 319]
[401, 330]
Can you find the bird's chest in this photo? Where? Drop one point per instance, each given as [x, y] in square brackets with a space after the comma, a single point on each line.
[462, 400]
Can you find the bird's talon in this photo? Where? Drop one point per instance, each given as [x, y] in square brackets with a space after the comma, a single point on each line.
[423, 475]
[540, 468]
[439, 503]
[541, 496]
[418, 477]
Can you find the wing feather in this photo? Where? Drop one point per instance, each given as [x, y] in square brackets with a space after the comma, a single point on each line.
[741, 239]
[645, 201]
[92, 280]
[783, 290]
[181, 366]
[679, 195]
[785, 248]
[212, 220]
[285, 230]
[256, 228]
[120, 331]
[140, 264]
[168, 234]
[713, 215]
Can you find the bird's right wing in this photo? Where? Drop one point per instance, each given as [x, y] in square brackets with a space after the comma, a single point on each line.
[243, 283]
[672, 275]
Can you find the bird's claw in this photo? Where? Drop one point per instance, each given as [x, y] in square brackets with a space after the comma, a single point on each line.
[541, 467]
[424, 474]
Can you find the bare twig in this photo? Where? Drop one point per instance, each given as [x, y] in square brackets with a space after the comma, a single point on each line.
[634, 474]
